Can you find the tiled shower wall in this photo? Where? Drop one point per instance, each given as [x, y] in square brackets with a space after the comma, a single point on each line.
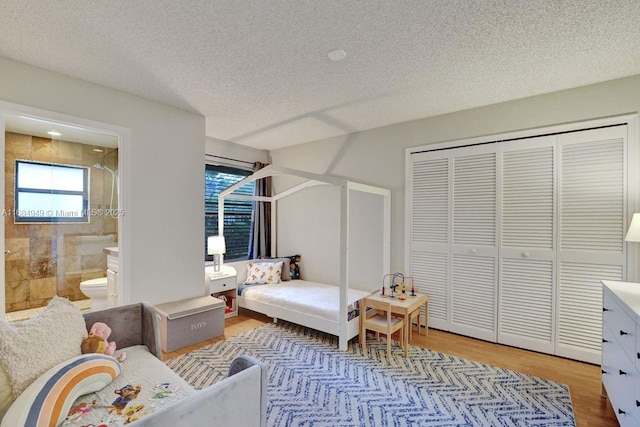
[52, 259]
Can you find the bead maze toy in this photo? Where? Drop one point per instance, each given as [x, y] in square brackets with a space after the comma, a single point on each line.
[397, 284]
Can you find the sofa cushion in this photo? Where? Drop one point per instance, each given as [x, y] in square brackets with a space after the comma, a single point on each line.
[48, 399]
[6, 397]
[149, 384]
[31, 347]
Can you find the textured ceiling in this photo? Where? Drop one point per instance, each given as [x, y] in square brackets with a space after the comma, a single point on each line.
[258, 70]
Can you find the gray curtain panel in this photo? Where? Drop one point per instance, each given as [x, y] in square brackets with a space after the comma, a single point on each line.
[260, 242]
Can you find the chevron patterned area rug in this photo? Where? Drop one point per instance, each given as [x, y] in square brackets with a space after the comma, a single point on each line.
[312, 383]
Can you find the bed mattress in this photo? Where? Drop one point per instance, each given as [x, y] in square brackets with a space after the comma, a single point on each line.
[316, 299]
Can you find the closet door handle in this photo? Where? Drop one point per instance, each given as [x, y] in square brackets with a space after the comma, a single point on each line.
[603, 340]
[603, 372]
[622, 372]
[623, 332]
[605, 309]
[621, 412]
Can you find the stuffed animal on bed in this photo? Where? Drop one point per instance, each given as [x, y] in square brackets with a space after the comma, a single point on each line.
[97, 342]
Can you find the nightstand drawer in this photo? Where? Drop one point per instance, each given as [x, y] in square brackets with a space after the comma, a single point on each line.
[222, 284]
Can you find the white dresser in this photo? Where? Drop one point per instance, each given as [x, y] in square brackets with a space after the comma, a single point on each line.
[621, 349]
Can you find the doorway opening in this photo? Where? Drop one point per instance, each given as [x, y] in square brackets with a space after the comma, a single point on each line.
[61, 211]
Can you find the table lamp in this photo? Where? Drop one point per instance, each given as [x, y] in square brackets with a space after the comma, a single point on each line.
[216, 247]
[633, 233]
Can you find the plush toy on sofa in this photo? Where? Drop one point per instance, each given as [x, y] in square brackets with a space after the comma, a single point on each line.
[97, 342]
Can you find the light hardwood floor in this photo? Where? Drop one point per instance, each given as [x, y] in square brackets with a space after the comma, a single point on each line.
[583, 379]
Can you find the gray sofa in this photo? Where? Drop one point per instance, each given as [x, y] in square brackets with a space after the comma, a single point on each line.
[240, 399]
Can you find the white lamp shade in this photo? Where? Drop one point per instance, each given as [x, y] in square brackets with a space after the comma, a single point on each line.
[216, 245]
[633, 234]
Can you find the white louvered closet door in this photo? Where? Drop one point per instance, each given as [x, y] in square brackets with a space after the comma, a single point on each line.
[527, 254]
[474, 249]
[591, 225]
[429, 232]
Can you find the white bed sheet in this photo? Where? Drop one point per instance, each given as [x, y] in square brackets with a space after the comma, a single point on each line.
[317, 299]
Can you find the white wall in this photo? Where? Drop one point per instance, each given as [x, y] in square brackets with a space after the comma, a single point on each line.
[312, 231]
[230, 150]
[366, 241]
[2, 268]
[164, 176]
[377, 156]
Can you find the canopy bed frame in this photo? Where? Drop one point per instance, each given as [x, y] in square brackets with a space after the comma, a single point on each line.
[344, 328]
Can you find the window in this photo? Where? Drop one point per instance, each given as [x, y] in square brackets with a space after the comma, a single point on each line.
[237, 214]
[47, 192]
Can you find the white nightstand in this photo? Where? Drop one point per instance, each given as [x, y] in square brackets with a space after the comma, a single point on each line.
[223, 284]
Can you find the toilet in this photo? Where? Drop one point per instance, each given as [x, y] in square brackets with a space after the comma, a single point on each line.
[96, 290]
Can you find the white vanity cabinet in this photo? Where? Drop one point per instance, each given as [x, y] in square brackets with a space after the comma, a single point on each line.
[113, 286]
[621, 349]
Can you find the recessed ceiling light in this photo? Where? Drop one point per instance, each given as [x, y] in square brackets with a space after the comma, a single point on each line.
[336, 55]
[54, 133]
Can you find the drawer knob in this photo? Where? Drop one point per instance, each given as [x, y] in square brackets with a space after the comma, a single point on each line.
[623, 333]
[638, 403]
[605, 309]
[603, 372]
[622, 372]
[638, 355]
[603, 340]
[621, 412]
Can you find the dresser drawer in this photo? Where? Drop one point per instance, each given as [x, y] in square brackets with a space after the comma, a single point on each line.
[637, 356]
[619, 377]
[609, 349]
[222, 284]
[637, 402]
[622, 326]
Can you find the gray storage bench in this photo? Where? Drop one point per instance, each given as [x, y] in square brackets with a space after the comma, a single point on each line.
[190, 321]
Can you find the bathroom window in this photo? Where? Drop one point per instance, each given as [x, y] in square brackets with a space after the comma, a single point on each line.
[48, 192]
[237, 213]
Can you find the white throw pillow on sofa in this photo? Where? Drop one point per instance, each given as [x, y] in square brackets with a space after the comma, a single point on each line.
[31, 347]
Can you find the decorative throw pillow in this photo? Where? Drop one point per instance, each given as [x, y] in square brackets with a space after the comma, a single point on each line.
[31, 347]
[294, 266]
[263, 272]
[286, 273]
[48, 399]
